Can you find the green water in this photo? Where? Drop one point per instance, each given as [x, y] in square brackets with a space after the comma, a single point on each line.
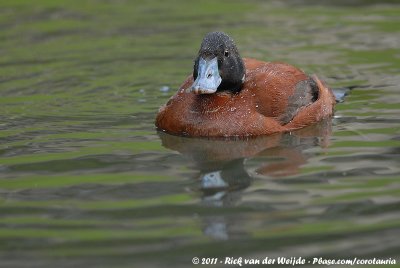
[86, 181]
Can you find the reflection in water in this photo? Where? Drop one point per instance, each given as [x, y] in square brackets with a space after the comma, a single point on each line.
[222, 170]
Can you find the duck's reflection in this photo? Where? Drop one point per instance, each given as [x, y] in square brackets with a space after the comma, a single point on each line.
[223, 173]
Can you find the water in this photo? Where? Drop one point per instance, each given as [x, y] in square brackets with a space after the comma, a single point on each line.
[86, 181]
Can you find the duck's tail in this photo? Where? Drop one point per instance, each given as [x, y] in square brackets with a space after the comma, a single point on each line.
[324, 92]
[321, 108]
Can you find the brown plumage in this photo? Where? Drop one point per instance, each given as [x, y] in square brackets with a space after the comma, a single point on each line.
[274, 97]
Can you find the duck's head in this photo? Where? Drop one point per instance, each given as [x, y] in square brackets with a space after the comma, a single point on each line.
[218, 66]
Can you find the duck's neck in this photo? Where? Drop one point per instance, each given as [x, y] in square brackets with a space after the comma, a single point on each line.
[231, 87]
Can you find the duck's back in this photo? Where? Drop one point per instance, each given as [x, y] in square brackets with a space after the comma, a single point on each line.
[279, 88]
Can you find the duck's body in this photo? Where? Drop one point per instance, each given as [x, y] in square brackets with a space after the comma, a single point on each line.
[273, 97]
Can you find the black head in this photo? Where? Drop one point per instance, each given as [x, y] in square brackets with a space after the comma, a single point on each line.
[218, 66]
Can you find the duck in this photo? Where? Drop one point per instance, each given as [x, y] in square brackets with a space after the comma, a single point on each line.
[230, 96]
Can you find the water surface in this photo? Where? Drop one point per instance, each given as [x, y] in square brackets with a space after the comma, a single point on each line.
[86, 180]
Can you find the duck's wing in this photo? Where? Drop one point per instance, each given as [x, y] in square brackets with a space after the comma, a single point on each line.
[305, 93]
[279, 89]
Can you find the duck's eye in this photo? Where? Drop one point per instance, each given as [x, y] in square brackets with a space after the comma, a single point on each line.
[226, 53]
